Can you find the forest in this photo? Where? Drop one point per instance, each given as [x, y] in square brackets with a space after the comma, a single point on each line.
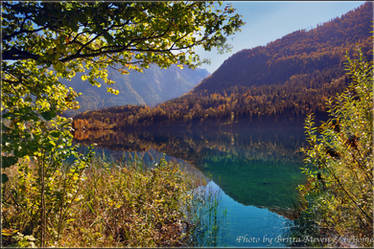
[240, 103]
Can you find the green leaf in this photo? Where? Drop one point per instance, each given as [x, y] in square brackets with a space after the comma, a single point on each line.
[48, 115]
[55, 134]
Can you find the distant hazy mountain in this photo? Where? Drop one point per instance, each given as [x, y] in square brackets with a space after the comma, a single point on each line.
[153, 86]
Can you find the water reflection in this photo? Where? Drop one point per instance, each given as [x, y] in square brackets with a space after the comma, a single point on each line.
[236, 225]
[254, 163]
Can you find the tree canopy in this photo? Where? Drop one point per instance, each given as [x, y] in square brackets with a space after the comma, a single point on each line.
[102, 33]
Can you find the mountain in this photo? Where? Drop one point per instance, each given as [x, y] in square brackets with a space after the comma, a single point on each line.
[151, 87]
[317, 51]
[286, 79]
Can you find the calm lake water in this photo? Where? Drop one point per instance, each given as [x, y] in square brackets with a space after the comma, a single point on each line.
[251, 168]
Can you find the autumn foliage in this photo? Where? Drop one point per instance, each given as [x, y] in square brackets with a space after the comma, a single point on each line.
[288, 78]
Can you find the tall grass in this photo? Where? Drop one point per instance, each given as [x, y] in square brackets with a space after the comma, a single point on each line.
[118, 205]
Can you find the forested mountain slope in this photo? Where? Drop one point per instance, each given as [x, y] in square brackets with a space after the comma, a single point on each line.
[287, 78]
[314, 55]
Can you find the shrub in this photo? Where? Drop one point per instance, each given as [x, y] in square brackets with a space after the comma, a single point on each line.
[339, 193]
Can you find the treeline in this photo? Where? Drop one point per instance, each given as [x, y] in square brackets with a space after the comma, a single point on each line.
[291, 100]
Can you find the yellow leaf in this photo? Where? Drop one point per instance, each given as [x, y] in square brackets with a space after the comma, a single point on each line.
[123, 71]
[8, 232]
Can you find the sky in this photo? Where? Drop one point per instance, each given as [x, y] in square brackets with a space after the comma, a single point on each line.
[267, 21]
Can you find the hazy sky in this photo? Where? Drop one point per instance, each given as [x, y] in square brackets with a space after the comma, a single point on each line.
[267, 21]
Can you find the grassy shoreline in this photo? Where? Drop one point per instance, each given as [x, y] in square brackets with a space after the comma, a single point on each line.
[115, 206]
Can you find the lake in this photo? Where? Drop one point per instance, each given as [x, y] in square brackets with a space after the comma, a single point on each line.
[252, 168]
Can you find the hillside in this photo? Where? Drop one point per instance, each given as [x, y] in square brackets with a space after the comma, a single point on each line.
[151, 87]
[287, 78]
[320, 51]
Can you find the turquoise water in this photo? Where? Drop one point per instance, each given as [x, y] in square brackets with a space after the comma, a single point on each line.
[240, 225]
[250, 169]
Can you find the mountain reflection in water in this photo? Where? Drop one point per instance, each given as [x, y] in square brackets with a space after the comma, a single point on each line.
[255, 163]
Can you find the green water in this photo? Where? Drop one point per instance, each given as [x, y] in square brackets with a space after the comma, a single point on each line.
[254, 182]
[252, 169]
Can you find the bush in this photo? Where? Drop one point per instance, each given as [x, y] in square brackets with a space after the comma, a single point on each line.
[338, 196]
